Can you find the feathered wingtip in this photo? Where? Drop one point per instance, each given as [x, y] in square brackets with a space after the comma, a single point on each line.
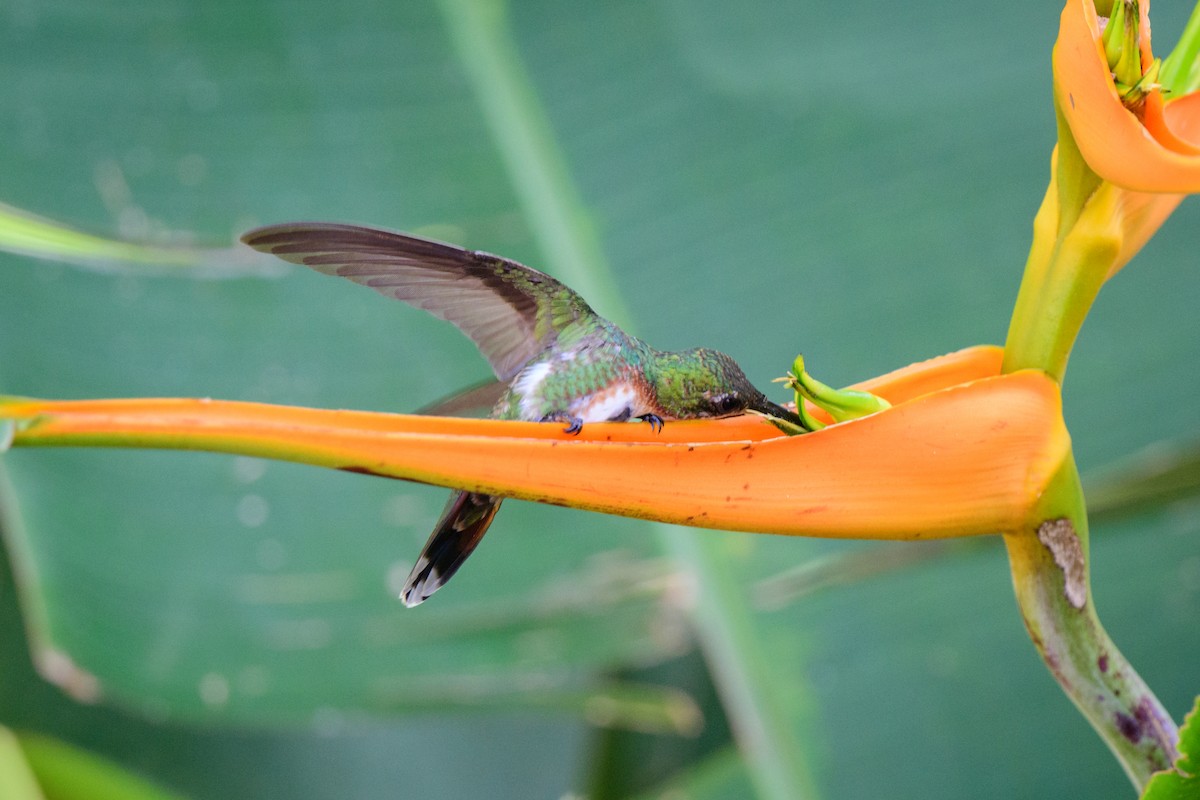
[476, 400]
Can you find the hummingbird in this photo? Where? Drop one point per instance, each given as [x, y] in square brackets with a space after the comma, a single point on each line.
[556, 360]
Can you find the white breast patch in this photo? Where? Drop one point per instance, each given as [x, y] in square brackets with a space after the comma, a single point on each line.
[526, 386]
[610, 403]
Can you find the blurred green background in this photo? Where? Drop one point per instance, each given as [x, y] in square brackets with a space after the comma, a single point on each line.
[856, 181]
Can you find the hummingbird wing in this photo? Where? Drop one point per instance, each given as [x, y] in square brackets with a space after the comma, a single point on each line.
[476, 400]
[510, 311]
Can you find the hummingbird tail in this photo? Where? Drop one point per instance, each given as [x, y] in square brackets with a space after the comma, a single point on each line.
[464, 521]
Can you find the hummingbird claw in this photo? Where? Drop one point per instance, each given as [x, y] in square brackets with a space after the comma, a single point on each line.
[656, 423]
[574, 424]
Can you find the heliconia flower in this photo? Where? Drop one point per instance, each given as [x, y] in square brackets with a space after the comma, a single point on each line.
[1154, 147]
[962, 451]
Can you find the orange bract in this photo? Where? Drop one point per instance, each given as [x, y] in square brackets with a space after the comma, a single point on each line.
[969, 459]
[1157, 155]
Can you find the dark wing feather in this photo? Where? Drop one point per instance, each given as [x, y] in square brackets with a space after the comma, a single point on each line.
[510, 311]
[475, 400]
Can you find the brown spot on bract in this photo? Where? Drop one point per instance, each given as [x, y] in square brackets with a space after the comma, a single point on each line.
[1059, 537]
[745, 487]
[357, 470]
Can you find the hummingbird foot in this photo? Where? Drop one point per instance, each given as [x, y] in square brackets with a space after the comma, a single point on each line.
[656, 423]
[574, 424]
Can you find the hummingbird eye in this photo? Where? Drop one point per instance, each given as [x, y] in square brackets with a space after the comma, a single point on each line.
[727, 403]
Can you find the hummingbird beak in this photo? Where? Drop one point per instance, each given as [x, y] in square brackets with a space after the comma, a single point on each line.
[769, 409]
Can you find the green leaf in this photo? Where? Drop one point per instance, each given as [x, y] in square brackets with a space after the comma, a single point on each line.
[535, 650]
[31, 235]
[17, 781]
[66, 772]
[1183, 782]
[721, 775]
[1152, 478]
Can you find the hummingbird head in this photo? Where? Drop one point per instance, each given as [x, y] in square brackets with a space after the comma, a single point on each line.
[708, 383]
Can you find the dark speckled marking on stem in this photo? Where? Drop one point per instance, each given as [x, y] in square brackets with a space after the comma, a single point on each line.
[1143, 723]
[1102, 662]
[1128, 726]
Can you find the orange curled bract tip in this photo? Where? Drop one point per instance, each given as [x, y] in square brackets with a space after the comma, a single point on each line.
[898, 386]
[1159, 155]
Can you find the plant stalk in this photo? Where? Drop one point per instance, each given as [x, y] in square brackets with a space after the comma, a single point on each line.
[1049, 560]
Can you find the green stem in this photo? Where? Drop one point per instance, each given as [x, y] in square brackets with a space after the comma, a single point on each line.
[554, 209]
[550, 203]
[1073, 180]
[15, 539]
[1049, 561]
[745, 679]
[1076, 240]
